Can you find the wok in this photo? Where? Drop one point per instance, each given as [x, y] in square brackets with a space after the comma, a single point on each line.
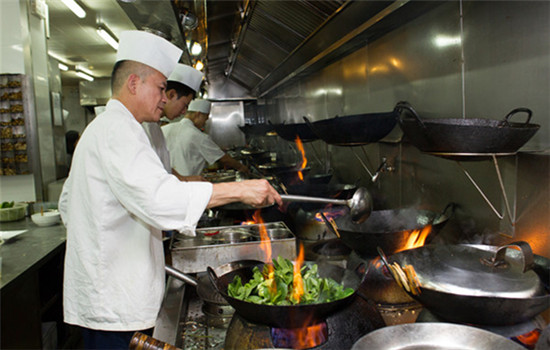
[434, 336]
[484, 299]
[289, 132]
[354, 130]
[460, 136]
[256, 129]
[389, 229]
[288, 316]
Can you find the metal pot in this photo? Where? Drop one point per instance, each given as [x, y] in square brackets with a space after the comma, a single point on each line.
[354, 130]
[480, 284]
[390, 229]
[461, 136]
[433, 336]
[290, 316]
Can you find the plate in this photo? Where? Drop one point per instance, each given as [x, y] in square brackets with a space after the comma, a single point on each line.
[434, 335]
[7, 235]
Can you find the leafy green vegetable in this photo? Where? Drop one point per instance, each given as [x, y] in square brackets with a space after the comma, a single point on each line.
[276, 288]
[7, 205]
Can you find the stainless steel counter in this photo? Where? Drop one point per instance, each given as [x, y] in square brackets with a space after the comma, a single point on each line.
[30, 249]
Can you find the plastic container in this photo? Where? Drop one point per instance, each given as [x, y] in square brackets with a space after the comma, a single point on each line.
[17, 212]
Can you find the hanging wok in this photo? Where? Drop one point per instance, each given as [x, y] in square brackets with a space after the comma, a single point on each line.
[288, 316]
[390, 229]
[480, 284]
[289, 132]
[256, 129]
[354, 130]
[461, 136]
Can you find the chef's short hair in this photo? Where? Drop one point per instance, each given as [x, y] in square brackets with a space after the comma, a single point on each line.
[181, 89]
[123, 69]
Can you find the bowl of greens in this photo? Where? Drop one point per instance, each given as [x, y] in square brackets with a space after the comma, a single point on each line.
[264, 293]
[12, 211]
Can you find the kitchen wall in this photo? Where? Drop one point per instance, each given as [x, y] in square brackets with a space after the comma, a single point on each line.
[462, 59]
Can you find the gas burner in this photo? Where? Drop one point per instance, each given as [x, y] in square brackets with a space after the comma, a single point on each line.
[525, 333]
[340, 330]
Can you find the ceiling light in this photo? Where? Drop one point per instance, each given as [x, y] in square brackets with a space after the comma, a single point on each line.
[108, 37]
[73, 6]
[199, 65]
[84, 76]
[196, 49]
[443, 40]
[62, 66]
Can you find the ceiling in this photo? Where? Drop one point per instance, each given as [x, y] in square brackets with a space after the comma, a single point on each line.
[256, 45]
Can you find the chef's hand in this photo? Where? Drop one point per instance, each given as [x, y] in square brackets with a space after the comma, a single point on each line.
[257, 193]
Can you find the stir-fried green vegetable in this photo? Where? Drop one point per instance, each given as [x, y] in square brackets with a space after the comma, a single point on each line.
[277, 288]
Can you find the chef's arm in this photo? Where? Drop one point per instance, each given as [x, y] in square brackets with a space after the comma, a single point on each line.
[230, 162]
[253, 192]
[187, 178]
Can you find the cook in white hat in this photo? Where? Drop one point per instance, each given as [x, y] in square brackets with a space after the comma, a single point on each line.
[182, 86]
[190, 148]
[118, 197]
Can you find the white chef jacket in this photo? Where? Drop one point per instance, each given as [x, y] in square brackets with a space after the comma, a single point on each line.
[189, 147]
[117, 199]
[156, 137]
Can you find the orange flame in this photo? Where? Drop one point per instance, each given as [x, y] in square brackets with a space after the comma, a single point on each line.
[248, 222]
[265, 244]
[530, 339]
[304, 159]
[297, 282]
[417, 238]
[311, 336]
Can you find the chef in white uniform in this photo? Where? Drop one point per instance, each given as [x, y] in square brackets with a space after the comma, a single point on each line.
[118, 197]
[190, 148]
[182, 87]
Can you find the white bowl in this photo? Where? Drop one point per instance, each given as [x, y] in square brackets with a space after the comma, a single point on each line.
[49, 218]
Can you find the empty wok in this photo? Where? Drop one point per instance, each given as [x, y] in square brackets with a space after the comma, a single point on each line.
[389, 229]
[289, 132]
[466, 136]
[354, 130]
[288, 316]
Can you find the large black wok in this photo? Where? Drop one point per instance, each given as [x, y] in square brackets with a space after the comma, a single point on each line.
[472, 292]
[461, 136]
[292, 316]
[354, 130]
[389, 229]
[289, 132]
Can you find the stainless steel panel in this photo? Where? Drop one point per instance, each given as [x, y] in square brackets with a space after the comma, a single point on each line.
[463, 58]
[223, 124]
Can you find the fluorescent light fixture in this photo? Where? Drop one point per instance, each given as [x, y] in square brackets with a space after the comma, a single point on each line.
[73, 6]
[199, 65]
[62, 66]
[443, 40]
[85, 76]
[84, 69]
[105, 35]
[196, 49]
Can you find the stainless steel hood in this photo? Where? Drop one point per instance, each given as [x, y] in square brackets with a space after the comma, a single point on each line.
[264, 44]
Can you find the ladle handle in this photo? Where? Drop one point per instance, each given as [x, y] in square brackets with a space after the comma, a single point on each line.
[180, 275]
[307, 199]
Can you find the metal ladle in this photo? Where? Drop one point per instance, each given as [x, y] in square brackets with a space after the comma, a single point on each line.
[360, 204]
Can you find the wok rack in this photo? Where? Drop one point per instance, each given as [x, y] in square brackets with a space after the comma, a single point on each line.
[479, 156]
[383, 167]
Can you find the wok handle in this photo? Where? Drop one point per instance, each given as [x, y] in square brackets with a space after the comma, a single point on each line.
[213, 278]
[498, 260]
[518, 110]
[180, 275]
[451, 206]
[405, 105]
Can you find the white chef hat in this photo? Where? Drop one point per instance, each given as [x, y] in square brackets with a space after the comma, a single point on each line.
[199, 105]
[187, 75]
[149, 49]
